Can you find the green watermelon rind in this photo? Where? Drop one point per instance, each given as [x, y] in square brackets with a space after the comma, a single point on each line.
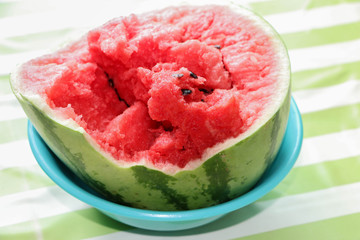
[226, 174]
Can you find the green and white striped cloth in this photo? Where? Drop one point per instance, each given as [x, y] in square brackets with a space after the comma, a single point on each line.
[319, 199]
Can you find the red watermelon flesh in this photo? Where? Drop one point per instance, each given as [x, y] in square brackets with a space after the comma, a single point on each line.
[165, 85]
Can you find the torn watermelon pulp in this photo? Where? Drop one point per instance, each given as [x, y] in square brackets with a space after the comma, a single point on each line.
[163, 86]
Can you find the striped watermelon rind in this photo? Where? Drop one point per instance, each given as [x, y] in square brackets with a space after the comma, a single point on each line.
[227, 174]
[226, 171]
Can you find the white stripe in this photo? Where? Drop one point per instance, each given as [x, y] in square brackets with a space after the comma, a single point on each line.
[7, 98]
[328, 97]
[76, 16]
[267, 216]
[48, 40]
[16, 154]
[44, 1]
[8, 62]
[39, 203]
[10, 108]
[53, 12]
[293, 21]
[330, 147]
[10, 1]
[327, 16]
[325, 55]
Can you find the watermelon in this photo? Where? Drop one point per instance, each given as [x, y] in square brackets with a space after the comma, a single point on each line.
[175, 109]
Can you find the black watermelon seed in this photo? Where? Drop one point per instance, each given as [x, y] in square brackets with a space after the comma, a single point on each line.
[204, 90]
[111, 83]
[121, 99]
[217, 46]
[110, 80]
[178, 75]
[193, 75]
[186, 92]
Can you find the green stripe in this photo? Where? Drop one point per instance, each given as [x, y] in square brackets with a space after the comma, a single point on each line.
[23, 231]
[8, 9]
[156, 180]
[315, 177]
[90, 222]
[324, 3]
[277, 6]
[35, 41]
[331, 120]
[13, 130]
[219, 177]
[76, 225]
[280, 6]
[5, 85]
[317, 37]
[344, 227]
[17, 8]
[20, 179]
[325, 77]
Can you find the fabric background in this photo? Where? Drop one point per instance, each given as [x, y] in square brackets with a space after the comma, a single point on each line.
[319, 199]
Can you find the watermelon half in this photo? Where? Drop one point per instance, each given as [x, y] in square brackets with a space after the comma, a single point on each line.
[175, 109]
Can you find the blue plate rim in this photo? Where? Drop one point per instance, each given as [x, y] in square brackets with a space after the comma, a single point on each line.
[42, 153]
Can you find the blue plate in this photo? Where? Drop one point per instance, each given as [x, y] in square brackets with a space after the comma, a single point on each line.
[172, 220]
